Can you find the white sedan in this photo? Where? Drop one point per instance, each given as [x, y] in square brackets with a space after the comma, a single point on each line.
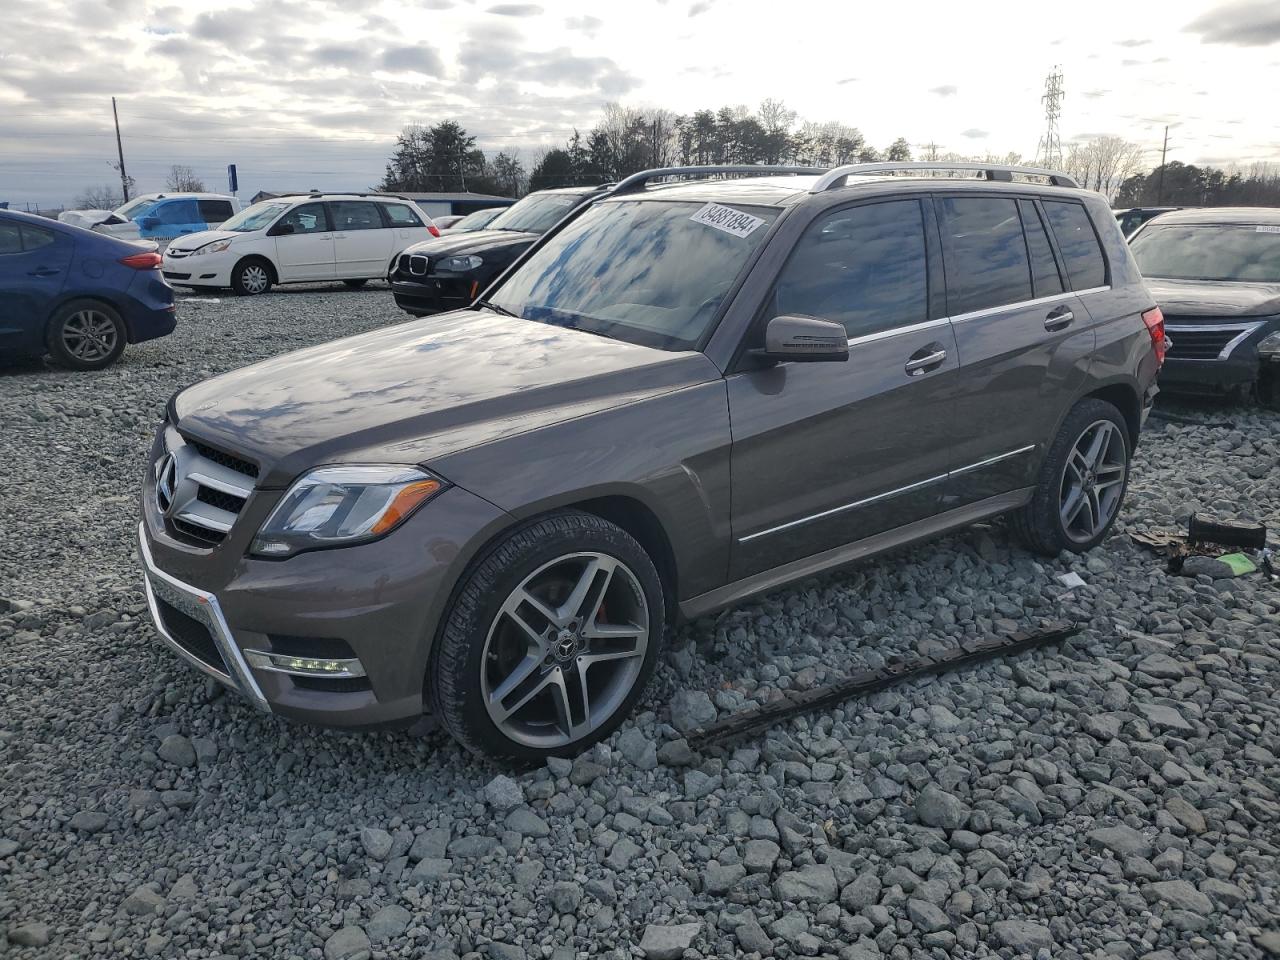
[299, 239]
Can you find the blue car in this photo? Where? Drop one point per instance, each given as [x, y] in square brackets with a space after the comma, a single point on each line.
[77, 295]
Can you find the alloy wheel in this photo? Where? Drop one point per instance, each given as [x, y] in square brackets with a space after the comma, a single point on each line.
[90, 335]
[1093, 481]
[564, 650]
[254, 278]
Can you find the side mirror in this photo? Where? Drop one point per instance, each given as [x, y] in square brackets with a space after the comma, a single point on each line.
[280, 230]
[803, 340]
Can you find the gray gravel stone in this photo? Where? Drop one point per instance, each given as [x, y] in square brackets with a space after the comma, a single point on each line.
[668, 942]
[691, 709]
[377, 843]
[89, 821]
[503, 794]
[815, 883]
[349, 943]
[388, 923]
[177, 749]
[31, 934]
[1025, 936]
[938, 808]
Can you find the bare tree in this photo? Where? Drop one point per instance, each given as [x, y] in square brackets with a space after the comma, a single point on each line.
[183, 179]
[102, 197]
[1103, 163]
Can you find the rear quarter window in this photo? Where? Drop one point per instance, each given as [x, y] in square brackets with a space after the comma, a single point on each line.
[1078, 243]
[10, 238]
[401, 215]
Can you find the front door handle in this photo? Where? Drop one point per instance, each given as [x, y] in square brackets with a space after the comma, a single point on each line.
[1059, 319]
[921, 362]
[43, 272]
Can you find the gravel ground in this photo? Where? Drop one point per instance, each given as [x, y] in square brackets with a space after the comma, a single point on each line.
[1113, 798]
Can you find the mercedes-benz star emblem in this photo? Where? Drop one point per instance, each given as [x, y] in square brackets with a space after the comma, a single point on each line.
[166, 481]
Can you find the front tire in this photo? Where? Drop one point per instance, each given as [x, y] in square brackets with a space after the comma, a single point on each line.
[251, 276]
[550, 641]
[1082, 482]
[86, 335]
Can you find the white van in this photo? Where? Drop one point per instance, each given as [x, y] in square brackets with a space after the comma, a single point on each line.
[296, 239]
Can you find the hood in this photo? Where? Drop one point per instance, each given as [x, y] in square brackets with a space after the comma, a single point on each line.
[414, 392]
[84, 218]
[193, 241]
[474, 241]
[1210, 299]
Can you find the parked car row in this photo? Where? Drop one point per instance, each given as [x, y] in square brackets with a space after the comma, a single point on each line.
[679, 393]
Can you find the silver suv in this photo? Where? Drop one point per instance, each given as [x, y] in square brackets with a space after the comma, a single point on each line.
[703, 385]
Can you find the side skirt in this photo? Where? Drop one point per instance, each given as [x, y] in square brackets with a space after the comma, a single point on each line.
[924, 529]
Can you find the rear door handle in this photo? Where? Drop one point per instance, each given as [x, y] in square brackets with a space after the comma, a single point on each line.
[1059, 319]
[43, 272]
[919, 363]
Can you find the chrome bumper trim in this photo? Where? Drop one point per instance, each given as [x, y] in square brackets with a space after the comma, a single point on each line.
[203, 606]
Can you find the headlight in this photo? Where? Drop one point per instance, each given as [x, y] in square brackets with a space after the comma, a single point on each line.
[339, 506]
[1269, 348]
[459, 264]
[216, 247]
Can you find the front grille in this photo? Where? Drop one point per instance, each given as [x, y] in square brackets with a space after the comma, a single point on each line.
[225, 459]
[201, 490]
[1203, 341]
[192, 635]
[415, 264]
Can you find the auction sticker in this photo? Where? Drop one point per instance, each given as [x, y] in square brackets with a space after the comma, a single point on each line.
[1262, 229]
[727, 219]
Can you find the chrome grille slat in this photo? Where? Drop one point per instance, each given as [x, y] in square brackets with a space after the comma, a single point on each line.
[205, 515]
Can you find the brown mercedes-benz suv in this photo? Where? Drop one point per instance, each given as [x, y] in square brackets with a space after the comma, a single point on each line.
[706, 383]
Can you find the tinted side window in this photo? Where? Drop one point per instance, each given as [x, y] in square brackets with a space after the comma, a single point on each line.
[176, 212]
[1078, 243]
[215, 211]
[986, 255]
[308, 218]
[10, 237]
[355, 215]
[33, 238]
[864, 267]
[400, 215]
[1044, 269]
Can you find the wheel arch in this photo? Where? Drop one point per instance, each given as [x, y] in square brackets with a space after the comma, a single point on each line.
[271, 266]
[1125, 398]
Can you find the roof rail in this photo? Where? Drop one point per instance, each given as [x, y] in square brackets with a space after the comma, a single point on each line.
[637, 180]
[991, 171]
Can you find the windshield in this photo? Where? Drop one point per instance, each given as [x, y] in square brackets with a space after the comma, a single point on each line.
[255, 217]
[1209, 251]
[477, 220]
[536, 213]
[648, 272]
[135, 208]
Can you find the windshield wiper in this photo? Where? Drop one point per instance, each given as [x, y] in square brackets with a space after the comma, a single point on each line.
[490, 305]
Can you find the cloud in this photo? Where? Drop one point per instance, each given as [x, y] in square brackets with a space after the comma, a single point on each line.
[841, 83]
[341, 54]
[699, 8]
[1095, 94]
[413, 59]
[515, 9]
[946, 90]
[973, 133]
[1246, 23]
[495, 54]
[586, 24]
[1132, 43]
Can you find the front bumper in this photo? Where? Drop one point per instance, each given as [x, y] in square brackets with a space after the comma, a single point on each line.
[1230, 365]
[433, 294]
[207, 270]
[374, 607]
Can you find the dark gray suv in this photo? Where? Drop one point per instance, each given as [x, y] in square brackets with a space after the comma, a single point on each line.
[705, 384]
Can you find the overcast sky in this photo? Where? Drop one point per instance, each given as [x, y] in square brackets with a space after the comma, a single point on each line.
[310, 93]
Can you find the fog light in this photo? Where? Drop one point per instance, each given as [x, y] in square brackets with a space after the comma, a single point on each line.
[304, 666]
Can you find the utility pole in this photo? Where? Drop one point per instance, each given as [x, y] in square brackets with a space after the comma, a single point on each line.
[1049, 150]
[124, 178]
[1164, 151]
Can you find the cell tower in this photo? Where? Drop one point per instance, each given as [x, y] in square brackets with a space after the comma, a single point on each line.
[1049, 152]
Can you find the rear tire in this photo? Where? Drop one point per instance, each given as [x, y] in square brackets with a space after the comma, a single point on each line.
[251, 276]
[355, 284]
[86, 335]
[1082, 482]
[566, 615]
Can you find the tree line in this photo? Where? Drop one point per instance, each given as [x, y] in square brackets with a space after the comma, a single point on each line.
[1187, 185]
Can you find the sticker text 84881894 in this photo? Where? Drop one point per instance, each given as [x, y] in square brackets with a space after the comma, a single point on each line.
[727, 219]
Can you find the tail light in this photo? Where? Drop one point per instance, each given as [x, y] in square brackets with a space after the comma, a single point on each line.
[1154, 319]
[433, 230]
[150, 260]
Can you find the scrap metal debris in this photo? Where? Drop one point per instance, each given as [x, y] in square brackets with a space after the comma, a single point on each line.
[1202, 550]
[864, 682]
